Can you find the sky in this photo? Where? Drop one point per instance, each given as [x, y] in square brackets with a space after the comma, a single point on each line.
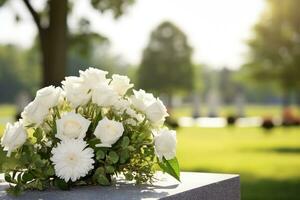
[216, 29]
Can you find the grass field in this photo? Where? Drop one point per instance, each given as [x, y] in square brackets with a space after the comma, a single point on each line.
[268, 162]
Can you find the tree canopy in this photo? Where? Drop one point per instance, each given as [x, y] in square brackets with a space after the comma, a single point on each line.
[51, 23]
[166, 65]
[275, 47]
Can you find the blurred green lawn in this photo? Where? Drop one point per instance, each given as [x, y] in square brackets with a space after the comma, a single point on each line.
[268, 162]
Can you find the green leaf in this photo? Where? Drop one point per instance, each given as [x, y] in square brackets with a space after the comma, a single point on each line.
[100, 154]
[109, 169]
[19, 178]
[102, 179]
[125, 142]
[128, 176]
[61, 184]
[8, 178]
[112, 157]
[100, 176]
[92, 142]
[124, 156]
[15, 190]
[171, 167]
[38, 134]
[131, 148]
[27, 176]
[50, 171]
[100, 171]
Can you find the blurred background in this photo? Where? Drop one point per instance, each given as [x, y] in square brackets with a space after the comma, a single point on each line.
[228, 71]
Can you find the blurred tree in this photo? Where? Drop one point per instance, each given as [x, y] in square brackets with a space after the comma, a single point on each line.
[52, 27]
[19, 71]
[275, 48]
[166, 65]
[87, 48]
[227, 87]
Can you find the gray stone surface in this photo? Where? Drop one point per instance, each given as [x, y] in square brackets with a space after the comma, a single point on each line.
[206, 186]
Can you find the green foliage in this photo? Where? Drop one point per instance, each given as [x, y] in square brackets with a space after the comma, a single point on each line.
[16, 66]
[171, 167]
[2, 2]
[275, 48]
[117, 7]
[61, 184]
[166, 65]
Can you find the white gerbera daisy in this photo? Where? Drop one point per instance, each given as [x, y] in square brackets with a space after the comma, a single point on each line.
[72, 159]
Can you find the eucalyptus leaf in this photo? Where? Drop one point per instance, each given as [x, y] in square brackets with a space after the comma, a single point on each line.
[109, 169]
[125, 142]
[124, 156]
[112, 157]
[61, 184]
[100, 154]
[102, 180]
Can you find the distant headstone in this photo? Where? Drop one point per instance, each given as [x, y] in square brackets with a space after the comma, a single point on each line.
[213, 103]
[240, 105]
[193, 186]
[196, 105]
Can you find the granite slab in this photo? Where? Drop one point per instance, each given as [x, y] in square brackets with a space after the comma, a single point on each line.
[206, 186]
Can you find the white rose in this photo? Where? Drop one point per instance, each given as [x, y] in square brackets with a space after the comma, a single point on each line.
[72, 126]
[165, 144]
[133, 114]
[120, 84]
[14, 136]
[121, 105]
[108, 131]
[35, 113]
[141, 100]
[49, 96]
[104, 95]
[156, 112]
[92, 77]
[75, 91]
[131, 122]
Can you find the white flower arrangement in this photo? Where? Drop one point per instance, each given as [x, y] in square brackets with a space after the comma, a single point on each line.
[86, 133]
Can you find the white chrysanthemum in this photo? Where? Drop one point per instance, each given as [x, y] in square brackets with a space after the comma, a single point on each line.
[72, 159]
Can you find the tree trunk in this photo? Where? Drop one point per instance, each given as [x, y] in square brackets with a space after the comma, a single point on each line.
[53, 41]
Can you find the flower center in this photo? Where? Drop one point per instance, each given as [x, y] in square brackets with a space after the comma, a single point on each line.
[72, 158]
[72, 128]
[111, 128]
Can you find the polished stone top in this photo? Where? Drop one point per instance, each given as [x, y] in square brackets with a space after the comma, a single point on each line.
[193, 185]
